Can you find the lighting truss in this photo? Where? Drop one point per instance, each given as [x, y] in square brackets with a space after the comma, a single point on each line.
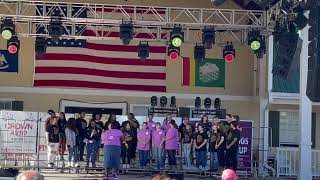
[105, 18]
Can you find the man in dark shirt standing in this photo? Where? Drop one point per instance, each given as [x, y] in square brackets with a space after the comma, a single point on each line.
[232, 146]
[81, 128]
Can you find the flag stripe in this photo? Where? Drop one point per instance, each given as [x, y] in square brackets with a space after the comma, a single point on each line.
[95, 72]
[186, 71]
[101, 60]
[107, 47]
[104, 53]
[96, 85]
[91, 78]
[99, 66]
[192, 72]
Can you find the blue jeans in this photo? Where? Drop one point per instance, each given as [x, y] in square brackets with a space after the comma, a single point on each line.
[143, 157]
[73, 154]
[186, 154]
[158, 155]
[172, 157]
[214, 163]
[201, 158]
[92, 149]
[112, 155]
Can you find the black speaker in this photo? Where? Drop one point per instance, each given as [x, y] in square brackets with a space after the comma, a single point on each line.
[183, 111]
[17, 105]
[313, 85]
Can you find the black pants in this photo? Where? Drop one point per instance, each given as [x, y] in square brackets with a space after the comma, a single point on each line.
[126, 154]
[81, 146]
[221, 157]
[231, 158]
[134, 148]
[172, 157]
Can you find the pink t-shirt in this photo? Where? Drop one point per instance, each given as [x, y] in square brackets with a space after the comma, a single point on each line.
[151, 126]
[143, 135]
[112, 137]
[172, 139]
[157, 137]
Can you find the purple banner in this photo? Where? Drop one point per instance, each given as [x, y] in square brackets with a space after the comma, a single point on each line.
[245, 145]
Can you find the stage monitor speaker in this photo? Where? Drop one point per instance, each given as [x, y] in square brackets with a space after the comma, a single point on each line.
[183, 111]
[17, 105]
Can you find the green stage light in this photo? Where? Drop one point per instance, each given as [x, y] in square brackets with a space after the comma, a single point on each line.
[6, 34]
[176, 37]
[7, 28]
[255, 45]
[176, 41]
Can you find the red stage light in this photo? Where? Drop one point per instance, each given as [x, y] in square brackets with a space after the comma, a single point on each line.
[229, 57]
[174, 55]
[12, 49]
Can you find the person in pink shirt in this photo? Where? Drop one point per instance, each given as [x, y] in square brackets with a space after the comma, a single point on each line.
[144, 137]
[112, 139]
[157, 138]
[171, 144]
[166, 123]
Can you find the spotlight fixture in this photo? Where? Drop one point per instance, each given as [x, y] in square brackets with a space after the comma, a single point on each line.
[301, 20]
[173, 102]
[126, 32]
[55, 28]
[199, 53]
[229, 52]
[176, 36]
[217, 103]
[13, 45]
[197, 102]
[163, 101]
[208, 37]
[143, 50]
[257, 43]
[154, 101]
[207, 103]
[173, 52]
[40, 45]
[7, 28]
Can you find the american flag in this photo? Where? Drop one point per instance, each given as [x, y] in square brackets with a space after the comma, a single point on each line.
[104, 64]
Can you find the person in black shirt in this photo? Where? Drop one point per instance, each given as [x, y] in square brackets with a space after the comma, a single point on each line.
[52, 138]
[216, 147]
[81, 125]
[200, 144]
[186, 140]
[135, 126]
[112, 120]
[232, 146]
[126, 147]
[93, 139]
[62, 123]
[99, 125]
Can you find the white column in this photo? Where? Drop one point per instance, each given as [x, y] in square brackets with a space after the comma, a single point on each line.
[305, 110]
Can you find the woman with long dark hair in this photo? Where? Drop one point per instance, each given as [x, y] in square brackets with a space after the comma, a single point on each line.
[62, 123]
[205, 124]
[216, 148]
[93, 139]
[126, 148]
[171, 144]
[200, 143]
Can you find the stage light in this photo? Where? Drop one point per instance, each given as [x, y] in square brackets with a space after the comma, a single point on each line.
[208, 37]
[254, 40]
[163, 101]
[197, 102]
[126, 32]
[55, 28]
[217, 103]
[40, 45]
[199, 53]
[173, 52]
[176, 36]
[143, 50]
[13, 45]
[207, 103]
[301, 20]
[154, 101]
[7, 28]
[229, 53]
[173, 102]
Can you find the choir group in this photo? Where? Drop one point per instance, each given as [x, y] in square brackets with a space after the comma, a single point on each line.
[212, 141]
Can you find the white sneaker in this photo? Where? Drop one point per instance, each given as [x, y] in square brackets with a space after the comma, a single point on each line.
[69, 164]
[76, 165]
[124, 166]
[128, 166]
